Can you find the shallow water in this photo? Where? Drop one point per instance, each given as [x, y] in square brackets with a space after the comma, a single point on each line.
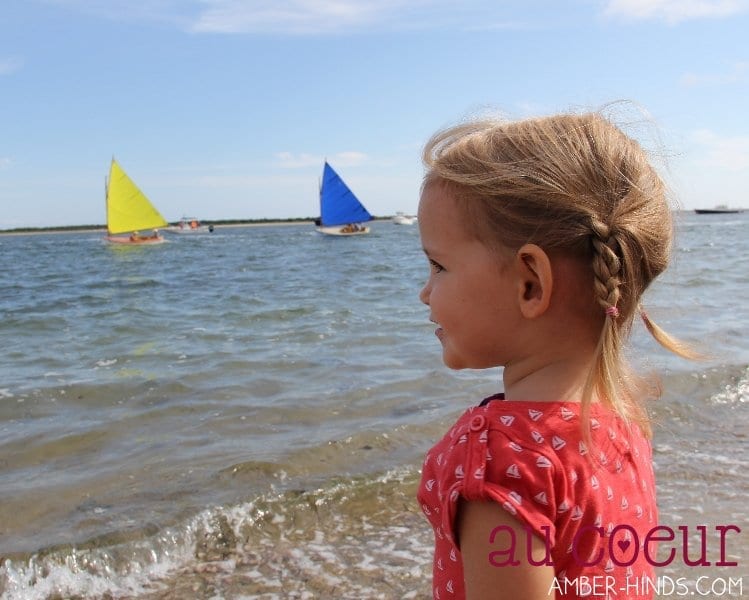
[243, 414]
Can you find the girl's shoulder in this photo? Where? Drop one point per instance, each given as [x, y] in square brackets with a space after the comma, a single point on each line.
[556, 426]
[546, 413]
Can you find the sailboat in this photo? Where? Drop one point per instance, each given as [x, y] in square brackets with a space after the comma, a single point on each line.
[129, 211]
[341, 213]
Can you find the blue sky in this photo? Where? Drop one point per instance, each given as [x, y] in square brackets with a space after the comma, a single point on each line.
[227, 108]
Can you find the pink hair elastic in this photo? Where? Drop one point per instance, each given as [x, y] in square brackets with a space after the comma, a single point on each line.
[612, 311]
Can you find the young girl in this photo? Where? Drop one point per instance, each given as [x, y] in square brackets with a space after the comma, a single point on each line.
[542, 236]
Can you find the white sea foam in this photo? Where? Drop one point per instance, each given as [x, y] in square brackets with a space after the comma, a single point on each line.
[736, 392]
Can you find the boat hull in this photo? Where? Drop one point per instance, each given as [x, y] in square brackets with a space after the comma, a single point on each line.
[717, 211]
[128, 241]
[402, 218]
[188, 231]
[342, 231]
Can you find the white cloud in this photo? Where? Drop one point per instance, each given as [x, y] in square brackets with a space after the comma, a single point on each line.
[246, 182]
[310, 17]
[721, 153]
[288, 160]
[297, 16]
[10, 65]
[269, 16]
[737, 73]
[349, 159]
[501, 26]
[315, 17]
[674, 11]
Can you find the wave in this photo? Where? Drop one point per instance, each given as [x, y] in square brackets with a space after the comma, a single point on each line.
[348, 539]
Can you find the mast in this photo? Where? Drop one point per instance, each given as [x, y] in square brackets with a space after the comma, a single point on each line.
[106, 193]
[106, 201]
[319, 187]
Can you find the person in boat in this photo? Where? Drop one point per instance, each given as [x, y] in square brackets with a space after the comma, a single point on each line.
[137, 237]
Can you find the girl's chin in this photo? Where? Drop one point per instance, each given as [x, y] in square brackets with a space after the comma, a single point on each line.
[457, 363]
[453, 362]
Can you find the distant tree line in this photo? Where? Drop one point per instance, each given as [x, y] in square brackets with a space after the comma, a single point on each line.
[63, 228]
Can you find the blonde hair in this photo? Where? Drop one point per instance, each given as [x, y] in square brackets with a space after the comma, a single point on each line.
[574, 184]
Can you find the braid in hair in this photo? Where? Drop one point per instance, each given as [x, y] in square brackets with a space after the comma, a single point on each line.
[606, 265]
[609, 269]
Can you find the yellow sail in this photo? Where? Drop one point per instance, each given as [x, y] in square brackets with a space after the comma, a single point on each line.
[128, 209]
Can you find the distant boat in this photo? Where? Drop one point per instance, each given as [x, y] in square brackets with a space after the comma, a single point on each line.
[341, 213]
[190, 225]
[128, 210]
[721, 209]
[403, 219]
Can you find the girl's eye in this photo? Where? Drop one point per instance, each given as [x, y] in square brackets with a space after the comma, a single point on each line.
[436, 267]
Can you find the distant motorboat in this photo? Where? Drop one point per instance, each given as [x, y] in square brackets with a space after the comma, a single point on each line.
[188, 225]
[401, 218]
[720, 209]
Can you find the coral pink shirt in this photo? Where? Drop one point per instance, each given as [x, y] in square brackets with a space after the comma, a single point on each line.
[593, 503]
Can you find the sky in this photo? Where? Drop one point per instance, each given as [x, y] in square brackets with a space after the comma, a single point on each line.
[227, 109]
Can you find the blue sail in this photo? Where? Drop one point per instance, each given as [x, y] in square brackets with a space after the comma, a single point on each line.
[338, 205]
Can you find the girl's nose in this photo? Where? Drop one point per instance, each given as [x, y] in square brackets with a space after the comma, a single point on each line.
[424, 293]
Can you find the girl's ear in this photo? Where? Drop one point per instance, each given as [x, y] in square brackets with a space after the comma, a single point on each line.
[535, 281]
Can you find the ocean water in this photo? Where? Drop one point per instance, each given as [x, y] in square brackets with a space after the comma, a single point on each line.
[243, 414]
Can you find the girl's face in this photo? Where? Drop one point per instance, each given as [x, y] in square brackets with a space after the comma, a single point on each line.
[471, 290]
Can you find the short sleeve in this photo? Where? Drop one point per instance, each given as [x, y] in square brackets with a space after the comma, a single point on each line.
[531, 460]
[491, 463]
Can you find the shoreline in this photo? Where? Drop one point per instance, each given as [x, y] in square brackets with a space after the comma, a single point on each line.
[216, 225]
[102, 229]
